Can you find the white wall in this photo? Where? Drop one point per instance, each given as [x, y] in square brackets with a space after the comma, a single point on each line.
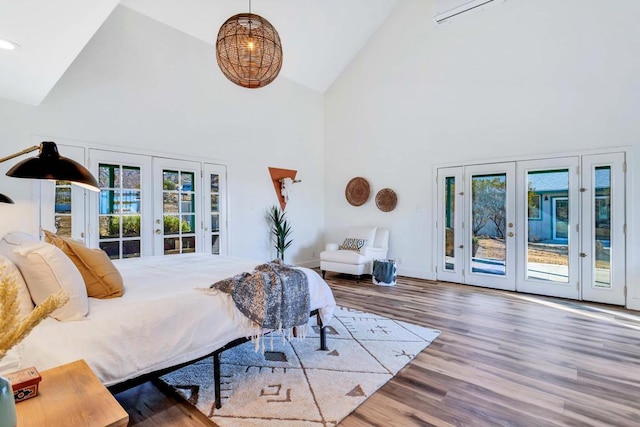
[139, 83]
[521, 78]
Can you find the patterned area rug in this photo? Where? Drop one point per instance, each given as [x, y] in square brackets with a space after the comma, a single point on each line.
[295, 383]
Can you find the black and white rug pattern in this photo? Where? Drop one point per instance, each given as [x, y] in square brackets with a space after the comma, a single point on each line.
[296, 384]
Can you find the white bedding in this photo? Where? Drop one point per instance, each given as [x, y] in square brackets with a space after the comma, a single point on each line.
[162, 319]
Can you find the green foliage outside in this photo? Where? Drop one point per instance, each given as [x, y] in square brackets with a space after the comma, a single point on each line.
[169, 185]
[130, 226]
[532, 199]
[171, 224]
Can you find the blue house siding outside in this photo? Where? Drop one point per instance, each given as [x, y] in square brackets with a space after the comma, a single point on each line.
[550, 189]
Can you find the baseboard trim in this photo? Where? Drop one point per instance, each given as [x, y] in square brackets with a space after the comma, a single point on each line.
[415, 273]
[314, 263]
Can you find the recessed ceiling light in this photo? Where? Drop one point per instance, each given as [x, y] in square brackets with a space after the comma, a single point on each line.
[8, 45]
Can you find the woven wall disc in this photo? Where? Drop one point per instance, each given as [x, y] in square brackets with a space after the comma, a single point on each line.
[386, 200]
[357, 191]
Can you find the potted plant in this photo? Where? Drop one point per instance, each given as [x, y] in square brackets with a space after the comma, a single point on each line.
[280, 229]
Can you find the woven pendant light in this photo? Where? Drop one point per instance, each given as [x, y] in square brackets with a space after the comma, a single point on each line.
[248, 50]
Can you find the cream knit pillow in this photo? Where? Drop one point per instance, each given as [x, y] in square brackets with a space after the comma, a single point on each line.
[46, 269]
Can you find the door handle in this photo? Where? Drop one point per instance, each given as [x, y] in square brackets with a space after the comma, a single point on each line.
[158, 231]
[510, 234]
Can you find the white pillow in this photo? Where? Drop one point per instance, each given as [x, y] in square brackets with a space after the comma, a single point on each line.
[17, 237]
[46, 269]
[366, 233]
[12, 239]
[9, 269]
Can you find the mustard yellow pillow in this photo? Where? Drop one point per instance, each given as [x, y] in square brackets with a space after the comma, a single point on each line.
[101, 278]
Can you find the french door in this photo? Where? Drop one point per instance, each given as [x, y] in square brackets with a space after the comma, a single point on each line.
[120, 215]
[146, 206]
[490, 219]
[450, 232]
[190, 207]
[215, 208]
[604, 229]
[476, 226]
[548, 212]
[67, 218]
[177, 213]
[551, 226]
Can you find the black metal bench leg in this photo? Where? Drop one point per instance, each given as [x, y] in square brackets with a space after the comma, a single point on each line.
[323, 333]
[216, 378]
[216, 356]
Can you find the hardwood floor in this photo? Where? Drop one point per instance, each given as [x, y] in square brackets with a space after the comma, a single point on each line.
[502, 359]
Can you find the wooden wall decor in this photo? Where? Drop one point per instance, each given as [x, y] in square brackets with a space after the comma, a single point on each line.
[386, 200]
[357, 191]
[276, 175]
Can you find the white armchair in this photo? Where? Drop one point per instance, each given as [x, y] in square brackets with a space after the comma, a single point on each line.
[354, 261]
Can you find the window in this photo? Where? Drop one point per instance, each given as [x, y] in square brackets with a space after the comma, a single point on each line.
[534, 206]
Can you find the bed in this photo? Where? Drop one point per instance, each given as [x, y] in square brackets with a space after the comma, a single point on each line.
[162, 321]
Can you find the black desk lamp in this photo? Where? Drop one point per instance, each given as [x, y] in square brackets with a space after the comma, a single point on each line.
[49, 164]
[5, 199]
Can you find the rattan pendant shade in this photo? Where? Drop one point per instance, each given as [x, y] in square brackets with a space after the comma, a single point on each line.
[249, 51]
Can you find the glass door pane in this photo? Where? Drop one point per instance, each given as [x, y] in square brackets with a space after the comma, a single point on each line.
[119, 210]
[63, 209]
[215, 208]
[602, 227]
[215, 212]
[62, 204]
[178, 213]
[449, 215]
[450, 253]
[490, 245]
[548, 215]
[488, 223]
[548, 225]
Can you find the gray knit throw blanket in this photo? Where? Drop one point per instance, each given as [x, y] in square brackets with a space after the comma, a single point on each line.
[273, 296]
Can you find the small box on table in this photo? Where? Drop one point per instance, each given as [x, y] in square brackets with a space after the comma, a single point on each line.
[24, 383]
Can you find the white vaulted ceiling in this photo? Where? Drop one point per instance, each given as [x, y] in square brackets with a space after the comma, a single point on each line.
[319, 37]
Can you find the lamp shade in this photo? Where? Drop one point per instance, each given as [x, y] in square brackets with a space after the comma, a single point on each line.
[49, 164]
[249, 51]
[5, 199]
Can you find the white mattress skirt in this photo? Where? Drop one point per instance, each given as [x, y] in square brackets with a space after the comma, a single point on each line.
[162, 319]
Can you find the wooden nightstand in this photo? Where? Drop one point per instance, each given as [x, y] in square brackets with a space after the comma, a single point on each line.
[71, 395]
